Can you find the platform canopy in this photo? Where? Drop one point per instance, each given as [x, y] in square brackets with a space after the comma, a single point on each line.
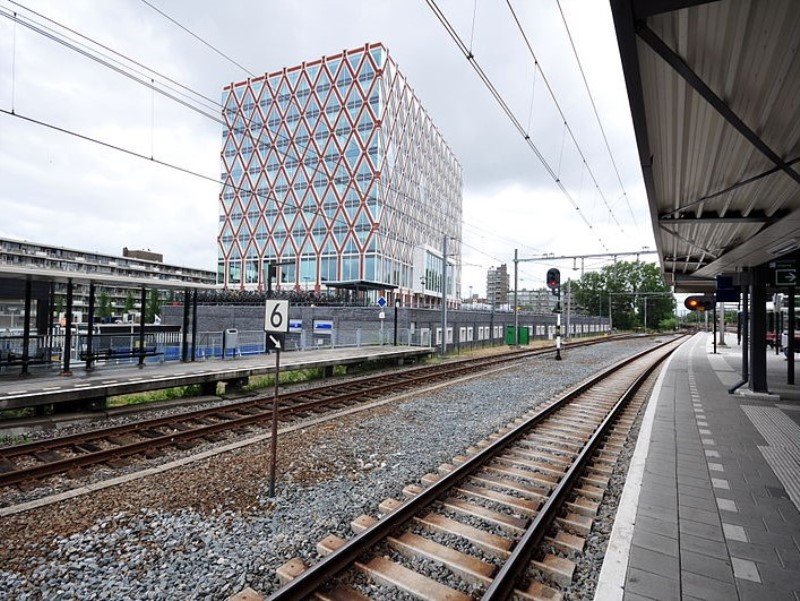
[713, 89]
[79, 277]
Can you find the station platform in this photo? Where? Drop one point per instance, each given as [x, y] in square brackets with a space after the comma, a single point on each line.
[91, 386]
[710, 506]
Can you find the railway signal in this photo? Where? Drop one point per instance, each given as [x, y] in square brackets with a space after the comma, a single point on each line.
[554, 281]
[701, 303]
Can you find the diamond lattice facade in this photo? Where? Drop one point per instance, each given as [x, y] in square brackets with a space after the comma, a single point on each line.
[333, 169]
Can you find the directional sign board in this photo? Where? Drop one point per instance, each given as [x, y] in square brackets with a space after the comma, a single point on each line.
[276, 317]
[275, 342]
[785, 277]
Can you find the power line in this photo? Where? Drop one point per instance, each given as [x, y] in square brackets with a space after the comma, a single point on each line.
[119, 68]
[561, 112]
[147, 82]
[507, 110]
[201, 40]
[596, 113]
[115, 52]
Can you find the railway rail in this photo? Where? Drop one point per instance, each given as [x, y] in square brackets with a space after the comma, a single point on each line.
[23, 465]
[505, 520]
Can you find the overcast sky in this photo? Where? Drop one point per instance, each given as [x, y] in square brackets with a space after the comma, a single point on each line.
[59, 190]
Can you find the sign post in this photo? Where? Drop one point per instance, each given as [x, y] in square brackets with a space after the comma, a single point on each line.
[276, 324]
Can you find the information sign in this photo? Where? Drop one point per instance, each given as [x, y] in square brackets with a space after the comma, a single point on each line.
[275, 342]
[276, 316]
[382, 302]
[785, 277]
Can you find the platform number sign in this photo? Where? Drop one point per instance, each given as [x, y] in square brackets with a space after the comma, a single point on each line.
[276, 318]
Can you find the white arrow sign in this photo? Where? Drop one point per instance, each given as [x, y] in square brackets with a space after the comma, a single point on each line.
[276, 341]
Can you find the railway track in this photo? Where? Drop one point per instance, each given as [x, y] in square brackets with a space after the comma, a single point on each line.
[505, 520]
[24, 465]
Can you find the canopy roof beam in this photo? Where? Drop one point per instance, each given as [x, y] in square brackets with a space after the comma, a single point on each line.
[676, 62]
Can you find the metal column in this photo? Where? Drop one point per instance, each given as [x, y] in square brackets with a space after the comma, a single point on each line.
[67, 351]
[516, 311]
[90, 330]
[185, 328]
[143, 308]
[194, 324]
[790, 345]
[444, 295]
[758, 331]
[26, 328]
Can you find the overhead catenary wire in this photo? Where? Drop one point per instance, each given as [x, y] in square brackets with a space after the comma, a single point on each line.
[596, 112]
[509, 113]
[72, 45]
[199, 39]
[147, 82]
[206, 99]
[306, 146]
[84, 51]
[561, 112]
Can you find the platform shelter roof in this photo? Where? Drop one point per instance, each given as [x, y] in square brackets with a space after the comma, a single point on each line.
[79, 277]
[713, 89]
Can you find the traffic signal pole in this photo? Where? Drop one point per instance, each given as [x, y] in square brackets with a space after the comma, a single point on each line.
[516, 307]
[558, 326]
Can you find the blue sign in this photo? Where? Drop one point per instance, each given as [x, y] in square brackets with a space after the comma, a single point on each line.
[323, 326]
[382, 302]
[295, 325]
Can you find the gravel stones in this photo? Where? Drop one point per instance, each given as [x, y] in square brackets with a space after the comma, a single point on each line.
[207, 530]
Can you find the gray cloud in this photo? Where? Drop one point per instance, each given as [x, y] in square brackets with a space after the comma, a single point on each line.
[64, 191]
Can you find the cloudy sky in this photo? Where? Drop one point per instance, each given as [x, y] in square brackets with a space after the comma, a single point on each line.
[61, 190]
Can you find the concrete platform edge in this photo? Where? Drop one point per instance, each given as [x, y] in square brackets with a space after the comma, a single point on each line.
[611, 582]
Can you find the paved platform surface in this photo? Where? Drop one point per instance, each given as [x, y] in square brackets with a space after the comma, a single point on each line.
[716, 515]
[46, 388]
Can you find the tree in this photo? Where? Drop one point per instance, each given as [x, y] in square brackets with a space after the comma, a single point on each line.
[632, 288]
[130, 302]
[153, 306]
[104, 308]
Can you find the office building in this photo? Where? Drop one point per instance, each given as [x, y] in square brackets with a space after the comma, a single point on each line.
[333, 170]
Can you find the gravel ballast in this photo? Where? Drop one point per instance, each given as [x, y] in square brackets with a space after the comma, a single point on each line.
[206, 530]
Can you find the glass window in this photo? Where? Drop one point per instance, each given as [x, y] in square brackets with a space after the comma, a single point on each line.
[251, 272]
[221, 271]
[235, 271]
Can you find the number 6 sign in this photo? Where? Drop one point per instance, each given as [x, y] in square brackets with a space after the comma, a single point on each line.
[276, 317]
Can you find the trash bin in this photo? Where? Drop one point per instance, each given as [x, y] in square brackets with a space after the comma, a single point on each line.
[230, 342]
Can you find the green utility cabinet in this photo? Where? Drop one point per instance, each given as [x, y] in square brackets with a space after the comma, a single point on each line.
[524, 335]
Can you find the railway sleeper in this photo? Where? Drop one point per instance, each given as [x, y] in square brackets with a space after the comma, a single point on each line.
[86, 447]
[339, 593]
[472, 569]
[528, 476]
[575, 523]
[494, 545]
[525, 507]
[538, 466]
[537, 591]
[511, 524]
[583, 506]
[558, 569]
[537, 494]
[390, 573]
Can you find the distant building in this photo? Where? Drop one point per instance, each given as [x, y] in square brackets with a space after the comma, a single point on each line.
[145, 255]
[538, 301]
[333, 169]
[19, 253]
[497, 285]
